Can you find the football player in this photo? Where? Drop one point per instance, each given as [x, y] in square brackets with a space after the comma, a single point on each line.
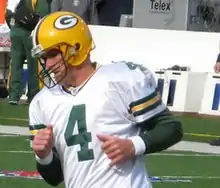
[92, 124]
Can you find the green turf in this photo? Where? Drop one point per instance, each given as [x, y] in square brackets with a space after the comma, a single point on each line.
[13, 114]
[164, 165]
[194, 184]
[24, 183]
[157, 165]
[18, 115]
[183, 165]
[14, 143]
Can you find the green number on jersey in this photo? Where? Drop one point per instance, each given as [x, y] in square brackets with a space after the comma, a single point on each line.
[133, 66]
[77, 118]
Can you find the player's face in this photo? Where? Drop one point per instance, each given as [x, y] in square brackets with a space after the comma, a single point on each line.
[55, 64]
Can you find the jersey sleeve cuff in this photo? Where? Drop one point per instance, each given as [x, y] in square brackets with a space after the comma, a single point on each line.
[139, 145]
[45, 161]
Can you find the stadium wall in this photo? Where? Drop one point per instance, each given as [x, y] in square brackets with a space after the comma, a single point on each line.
[197, 90]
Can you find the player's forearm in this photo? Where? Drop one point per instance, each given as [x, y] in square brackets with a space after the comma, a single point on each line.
[52, 172]
[161, 132]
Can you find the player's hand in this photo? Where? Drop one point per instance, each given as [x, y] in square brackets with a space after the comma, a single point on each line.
[217, 67]
[43, 142]
[118, 150]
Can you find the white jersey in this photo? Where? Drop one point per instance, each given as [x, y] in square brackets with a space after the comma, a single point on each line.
[112, 101]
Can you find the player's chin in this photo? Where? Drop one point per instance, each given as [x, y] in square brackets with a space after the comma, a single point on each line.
[61, 79]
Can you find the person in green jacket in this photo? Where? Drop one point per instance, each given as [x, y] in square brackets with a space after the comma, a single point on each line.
[21, 45]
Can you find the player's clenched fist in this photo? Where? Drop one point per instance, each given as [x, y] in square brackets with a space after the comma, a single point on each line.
[118, 150]
[43, 142]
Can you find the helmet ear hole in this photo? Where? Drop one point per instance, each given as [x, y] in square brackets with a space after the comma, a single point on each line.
[77, 46]
[73, 50]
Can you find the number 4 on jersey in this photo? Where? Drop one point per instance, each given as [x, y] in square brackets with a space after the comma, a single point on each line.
[78, 118]
[133, 66]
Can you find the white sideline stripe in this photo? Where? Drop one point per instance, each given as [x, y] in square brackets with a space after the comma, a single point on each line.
[189, 177]
[181, 146]
[11, 135]
[14, 130]
[155, 154]
[195, 147]
[18, 151]
[186, 154]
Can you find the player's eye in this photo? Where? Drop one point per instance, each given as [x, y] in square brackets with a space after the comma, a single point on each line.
[51, 53]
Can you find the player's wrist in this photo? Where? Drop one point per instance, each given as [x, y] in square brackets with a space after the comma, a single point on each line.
[45, 161]
[139, 145]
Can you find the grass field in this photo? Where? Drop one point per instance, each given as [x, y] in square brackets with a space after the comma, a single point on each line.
[199, 170]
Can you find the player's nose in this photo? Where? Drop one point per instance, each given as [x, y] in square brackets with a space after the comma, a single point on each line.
[49, 62]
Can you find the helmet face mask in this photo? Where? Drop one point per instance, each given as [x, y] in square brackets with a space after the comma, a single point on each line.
[61, 33]
[47, 75]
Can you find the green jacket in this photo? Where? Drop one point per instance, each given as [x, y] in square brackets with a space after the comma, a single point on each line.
[39, 6]
[42, 7]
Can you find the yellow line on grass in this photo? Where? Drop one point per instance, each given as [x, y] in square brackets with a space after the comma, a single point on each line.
[188, 134]
[202, 135]
[13, 119]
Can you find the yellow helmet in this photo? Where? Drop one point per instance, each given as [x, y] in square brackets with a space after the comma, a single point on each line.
[65, 31]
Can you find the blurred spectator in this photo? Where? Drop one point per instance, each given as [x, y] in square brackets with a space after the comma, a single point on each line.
[97, 12]
[84, 8]
[42, 7]
[21, 17]
[110, 11]
[217, 70]
[217, 64]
